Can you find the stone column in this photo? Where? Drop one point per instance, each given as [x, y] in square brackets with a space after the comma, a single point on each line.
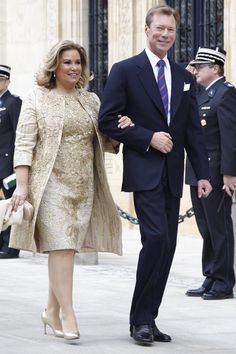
[73, 21]
[52, 25]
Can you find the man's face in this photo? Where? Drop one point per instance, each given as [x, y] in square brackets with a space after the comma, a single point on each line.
[205, 73]
[161, 34]
[3, 84]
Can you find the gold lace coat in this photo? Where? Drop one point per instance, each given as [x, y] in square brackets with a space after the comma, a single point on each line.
[37, 145]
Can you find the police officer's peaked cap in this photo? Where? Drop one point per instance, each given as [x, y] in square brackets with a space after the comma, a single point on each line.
[5, 71]
[208, 56]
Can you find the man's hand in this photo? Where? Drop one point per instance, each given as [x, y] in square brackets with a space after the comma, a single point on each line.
[204, 188]
[162, 141]
[229, 184]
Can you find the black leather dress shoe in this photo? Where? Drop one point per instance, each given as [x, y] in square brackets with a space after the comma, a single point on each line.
[142, 334]
[159, 336]
[217, 295]
[196, 292]
[4, 255]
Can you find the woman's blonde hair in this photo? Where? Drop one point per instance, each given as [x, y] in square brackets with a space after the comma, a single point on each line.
[45, 76]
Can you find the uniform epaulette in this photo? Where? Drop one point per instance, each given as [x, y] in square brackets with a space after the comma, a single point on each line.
[228, 84]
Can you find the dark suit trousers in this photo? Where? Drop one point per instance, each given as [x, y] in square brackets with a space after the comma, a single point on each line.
[216, 229]
[5, 235]
[157, 211]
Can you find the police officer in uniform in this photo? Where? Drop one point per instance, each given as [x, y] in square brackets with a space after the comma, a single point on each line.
[10, 106]
[217, 110]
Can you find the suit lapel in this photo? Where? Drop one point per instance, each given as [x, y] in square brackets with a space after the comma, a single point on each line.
[147, 78]
[177, 88]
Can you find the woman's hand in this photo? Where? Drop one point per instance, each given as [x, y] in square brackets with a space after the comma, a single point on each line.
[124, 122]
[19, 196]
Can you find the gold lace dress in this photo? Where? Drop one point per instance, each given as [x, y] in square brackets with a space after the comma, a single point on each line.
[66, 206]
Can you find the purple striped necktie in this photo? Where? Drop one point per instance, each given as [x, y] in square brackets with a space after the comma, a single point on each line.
[161, 81]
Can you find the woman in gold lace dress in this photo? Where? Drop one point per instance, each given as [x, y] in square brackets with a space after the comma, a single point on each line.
[60, 171]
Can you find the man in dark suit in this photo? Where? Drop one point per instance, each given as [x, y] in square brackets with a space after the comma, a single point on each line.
[217, 110]
[166, 121]
[10, 106]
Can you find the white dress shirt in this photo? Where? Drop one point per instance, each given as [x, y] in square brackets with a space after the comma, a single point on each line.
[154, 59]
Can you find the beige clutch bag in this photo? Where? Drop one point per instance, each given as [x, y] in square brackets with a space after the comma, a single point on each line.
[9, 217]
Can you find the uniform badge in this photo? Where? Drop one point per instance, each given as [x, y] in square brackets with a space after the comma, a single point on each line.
[203, 122]
[211, 92]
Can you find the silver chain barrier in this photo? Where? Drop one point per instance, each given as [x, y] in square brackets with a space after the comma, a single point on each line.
[133, 220]
[123, 214]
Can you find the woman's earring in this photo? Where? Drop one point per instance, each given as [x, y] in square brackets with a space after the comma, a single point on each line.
[54, 75]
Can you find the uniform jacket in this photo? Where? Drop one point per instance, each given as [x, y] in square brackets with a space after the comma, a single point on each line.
[37, 142]
[10, 106]
[132, 90]
[217, 110]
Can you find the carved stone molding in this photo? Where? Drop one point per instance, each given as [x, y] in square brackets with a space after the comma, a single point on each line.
[120, 29]
[52, 8]
[73, 21]
[81, 26]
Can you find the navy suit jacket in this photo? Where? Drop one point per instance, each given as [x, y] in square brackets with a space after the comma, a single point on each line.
[132, 90]
[10, 106]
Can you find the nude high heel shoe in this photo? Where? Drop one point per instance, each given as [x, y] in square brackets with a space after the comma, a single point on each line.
[57, 332]
[71, 336]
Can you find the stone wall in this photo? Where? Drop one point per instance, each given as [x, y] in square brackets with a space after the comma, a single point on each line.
[28, 28]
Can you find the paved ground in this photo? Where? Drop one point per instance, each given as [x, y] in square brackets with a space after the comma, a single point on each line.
[102, 299]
